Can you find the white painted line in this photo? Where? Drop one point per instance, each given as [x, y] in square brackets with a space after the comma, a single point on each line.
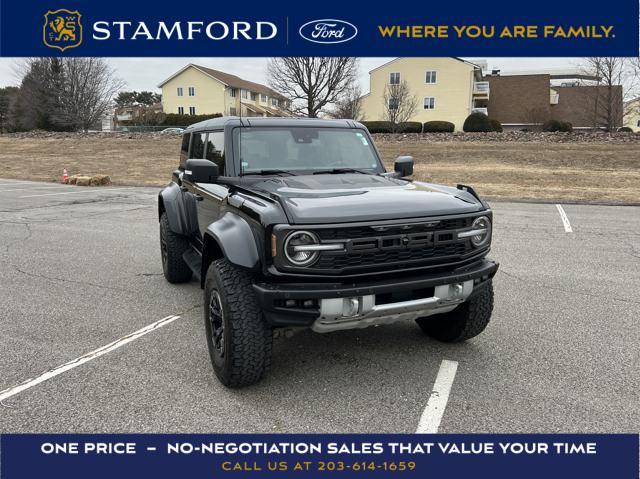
[565, 219]
[88, 190]
[432, 414]
[61, 186]
[96, 353]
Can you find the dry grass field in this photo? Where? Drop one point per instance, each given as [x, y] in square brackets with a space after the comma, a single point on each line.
[593, 171]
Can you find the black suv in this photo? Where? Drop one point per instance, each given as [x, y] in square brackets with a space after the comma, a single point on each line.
[292, 223]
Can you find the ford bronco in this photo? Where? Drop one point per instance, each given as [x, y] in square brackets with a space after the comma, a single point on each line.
[295, 223]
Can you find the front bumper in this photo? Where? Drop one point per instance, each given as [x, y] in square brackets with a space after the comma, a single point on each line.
[273, 298]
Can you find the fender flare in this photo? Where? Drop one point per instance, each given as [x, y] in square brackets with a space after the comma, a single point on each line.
[235, 238]
[176, 205]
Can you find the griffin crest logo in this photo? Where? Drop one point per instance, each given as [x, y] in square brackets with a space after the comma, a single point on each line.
[62, 29]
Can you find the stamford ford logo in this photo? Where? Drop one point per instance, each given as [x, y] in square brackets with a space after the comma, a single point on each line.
[328, 30]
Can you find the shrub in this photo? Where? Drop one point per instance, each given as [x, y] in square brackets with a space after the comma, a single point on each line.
[378, 126]
[557, 125]
[495, 125]
[625, 129]
[410, 127]
[175, 119]
[439, 127]
[477, 122]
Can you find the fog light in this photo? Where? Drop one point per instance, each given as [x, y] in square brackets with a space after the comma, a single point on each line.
[290, 303]
[456, 290]
[350, 307]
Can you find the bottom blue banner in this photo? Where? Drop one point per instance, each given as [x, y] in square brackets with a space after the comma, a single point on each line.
[297, 455]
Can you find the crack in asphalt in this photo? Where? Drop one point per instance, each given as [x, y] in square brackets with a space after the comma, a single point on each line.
[568, 291]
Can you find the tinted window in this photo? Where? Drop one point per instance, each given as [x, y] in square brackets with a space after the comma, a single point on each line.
[197, 145]
[215, 149]
[184, 150]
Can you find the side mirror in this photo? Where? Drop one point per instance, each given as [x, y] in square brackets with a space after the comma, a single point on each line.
[403, 166]
[200, 171]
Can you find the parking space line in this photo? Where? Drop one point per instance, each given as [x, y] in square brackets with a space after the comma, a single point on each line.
[565, 219]
[90, 190]
[433, 412]
[66, 187]
[96, 353]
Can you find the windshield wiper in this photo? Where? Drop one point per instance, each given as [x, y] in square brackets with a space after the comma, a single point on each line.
[268, 172]
[335, 171]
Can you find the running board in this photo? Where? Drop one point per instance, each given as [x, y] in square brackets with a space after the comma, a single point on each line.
[194, 260]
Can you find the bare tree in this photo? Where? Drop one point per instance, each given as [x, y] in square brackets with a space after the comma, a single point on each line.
[312, 83]
[87, 91]
[613, 81]
[349, 105]
[63, 93]
[399, 104]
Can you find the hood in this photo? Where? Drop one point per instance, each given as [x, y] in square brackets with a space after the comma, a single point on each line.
[343, 198]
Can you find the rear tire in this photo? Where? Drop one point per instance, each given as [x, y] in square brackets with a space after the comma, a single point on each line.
[172, 247]
[465, 322]
[238, 337]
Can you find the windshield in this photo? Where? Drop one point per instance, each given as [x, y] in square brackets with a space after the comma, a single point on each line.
[305, 150]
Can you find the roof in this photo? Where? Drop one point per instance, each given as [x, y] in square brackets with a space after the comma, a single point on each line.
[221, 122]
[230, 80]
[400, 58]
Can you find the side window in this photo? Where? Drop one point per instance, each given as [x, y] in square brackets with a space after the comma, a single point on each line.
[184, 150]
[197, 145]
[215, 149]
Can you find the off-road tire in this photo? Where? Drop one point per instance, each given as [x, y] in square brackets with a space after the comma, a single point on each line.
[172, 247]
[465, 322]
[248, 339]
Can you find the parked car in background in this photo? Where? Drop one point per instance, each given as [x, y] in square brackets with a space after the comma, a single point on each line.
[172, 131]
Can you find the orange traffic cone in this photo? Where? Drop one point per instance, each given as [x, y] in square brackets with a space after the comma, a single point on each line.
[65, 176]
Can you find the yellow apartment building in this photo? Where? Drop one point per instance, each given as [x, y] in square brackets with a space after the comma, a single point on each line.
[447, 89]
[198, 90]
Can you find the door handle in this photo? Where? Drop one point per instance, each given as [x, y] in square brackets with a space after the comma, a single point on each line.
[198, 197]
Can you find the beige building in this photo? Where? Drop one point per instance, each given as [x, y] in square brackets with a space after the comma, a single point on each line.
[447, 89]
[198, 90]
[632, 116]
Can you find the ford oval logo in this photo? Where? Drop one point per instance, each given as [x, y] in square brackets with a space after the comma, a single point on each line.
[328, 30]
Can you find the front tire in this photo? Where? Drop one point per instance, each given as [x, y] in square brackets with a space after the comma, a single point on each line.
[172, 247]
[465, 322]
[238, 337]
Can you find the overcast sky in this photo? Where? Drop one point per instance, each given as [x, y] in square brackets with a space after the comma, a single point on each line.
[146, 73]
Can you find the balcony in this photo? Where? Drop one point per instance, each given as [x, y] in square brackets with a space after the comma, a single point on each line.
[481, 89]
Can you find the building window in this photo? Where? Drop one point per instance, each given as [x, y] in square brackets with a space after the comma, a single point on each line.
[274, 102]
[430, 76]
[638, 124]
[393, 103]
[180, 110]
[233, 92]
[244, 94]
[254, 96]
[263, 98]
[394, 78]
[180, 91]
[233, 111]
[192, 110]
[429, 103]
[192, 91]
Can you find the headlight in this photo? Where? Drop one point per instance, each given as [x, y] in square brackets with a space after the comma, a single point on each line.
[480, 232]
[301, 248]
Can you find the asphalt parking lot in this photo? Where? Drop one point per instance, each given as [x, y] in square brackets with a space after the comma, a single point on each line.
[80, 268]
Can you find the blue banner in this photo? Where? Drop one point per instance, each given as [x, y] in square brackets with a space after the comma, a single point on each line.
[286, 28]
[294, 455]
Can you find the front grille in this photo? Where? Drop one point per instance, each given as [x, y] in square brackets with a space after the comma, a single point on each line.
[391, 247]
[386, 259]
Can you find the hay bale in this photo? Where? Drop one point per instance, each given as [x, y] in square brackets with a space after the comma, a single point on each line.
[83, 181]
[72, 180]
[100, 180]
